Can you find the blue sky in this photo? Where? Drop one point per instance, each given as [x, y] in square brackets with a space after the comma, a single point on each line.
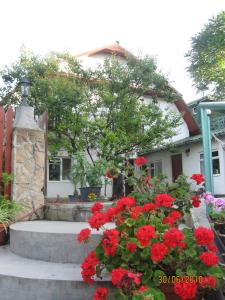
[162, 28]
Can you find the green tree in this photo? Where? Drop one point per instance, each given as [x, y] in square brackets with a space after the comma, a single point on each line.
[95, 109]
[207, 57]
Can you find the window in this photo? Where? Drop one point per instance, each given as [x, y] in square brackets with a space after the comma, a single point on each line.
[215, 163]
[155, 168]
[59, 169]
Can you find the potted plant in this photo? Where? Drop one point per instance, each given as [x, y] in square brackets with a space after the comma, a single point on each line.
[147, 254]
[88, 176]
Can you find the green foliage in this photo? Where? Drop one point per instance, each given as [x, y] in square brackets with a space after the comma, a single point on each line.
[8, 208]
[146, 188]
[98, 109]
[86, 173]
[207, 57]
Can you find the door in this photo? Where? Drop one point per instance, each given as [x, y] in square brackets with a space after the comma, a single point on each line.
[177, 168]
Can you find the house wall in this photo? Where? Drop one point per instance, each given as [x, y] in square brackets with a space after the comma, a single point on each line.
[191, 163]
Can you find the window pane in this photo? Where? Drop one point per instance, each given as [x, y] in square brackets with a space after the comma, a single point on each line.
[215, 153]
[158, 168]
[201, 156]
[66, 168]
[54, 170]
[152, 170]
[202, 169]
[216, 166]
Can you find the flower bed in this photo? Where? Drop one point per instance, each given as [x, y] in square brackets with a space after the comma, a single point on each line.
[147, 254]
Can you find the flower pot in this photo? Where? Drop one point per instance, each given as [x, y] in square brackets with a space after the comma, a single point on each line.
[86, 193]
[4, 236]
[72, 198]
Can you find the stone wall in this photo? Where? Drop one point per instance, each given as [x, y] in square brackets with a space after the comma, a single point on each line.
[28, 167]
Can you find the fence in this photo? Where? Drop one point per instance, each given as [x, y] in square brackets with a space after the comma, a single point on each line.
[6, 121]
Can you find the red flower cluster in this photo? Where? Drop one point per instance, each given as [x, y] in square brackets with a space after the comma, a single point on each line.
[83, 235]
[172, 217]
[186, 290]
[110, 241]
[123, 278]
[100, 294]
[135, 212]
[198, 178]
[164, 200]
[88, 267]
[158, 252]
[204, 236]
[124, 203]
[208, 281]
[145, 233]
[195, 201]
[97, 220]
[175, 214]
[131, 247]
[174, 238]
[140, 161]
[117, 276]
[209, 258]
[97, 207]
[147, 207]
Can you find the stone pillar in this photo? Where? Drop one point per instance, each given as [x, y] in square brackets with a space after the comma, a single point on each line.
[28, 160]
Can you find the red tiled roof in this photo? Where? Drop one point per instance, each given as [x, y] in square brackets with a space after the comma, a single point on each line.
[114, 49]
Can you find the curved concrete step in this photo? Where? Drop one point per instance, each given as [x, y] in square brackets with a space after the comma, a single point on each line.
[22, 278]
[53, 241]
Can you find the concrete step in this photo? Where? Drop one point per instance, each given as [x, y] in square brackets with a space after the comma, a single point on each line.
[52, 241]
[23, 279]
[78, 212]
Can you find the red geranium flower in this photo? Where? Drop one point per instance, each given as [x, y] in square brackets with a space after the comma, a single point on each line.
[124, 203]
[131, 247]
[173, 238]
[186, 290]
[135, 212]
[97, 207]
[198, 178]
[164, 200]
[100, 294]
[147, 207]
[208, 281]
[110, 241]
[88, 267]
[140, 161]
[168, 220]
[117, 276]
[83, 235]
[175, 214]
[145, 233]
[97, 220]
[209, 258]
[204, 236]
[195, 201]
[158, 252]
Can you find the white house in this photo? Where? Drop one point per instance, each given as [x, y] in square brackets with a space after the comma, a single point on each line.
[185, 155]
[58, 183]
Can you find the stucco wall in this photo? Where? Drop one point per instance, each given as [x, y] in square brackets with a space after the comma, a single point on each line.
[191, 163]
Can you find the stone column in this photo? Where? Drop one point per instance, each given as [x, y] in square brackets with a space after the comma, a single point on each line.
[28, 160]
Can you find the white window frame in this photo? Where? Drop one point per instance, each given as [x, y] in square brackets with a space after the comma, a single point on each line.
[213, 158]
[61, 169]
[154, 167]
